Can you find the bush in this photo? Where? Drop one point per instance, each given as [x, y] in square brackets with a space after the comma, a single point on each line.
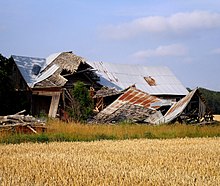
[82, 106]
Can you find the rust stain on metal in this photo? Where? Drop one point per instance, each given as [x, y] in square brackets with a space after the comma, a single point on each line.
[151, 81]
[178, 107]
[181, 103]
[137, 97]
[133, 105]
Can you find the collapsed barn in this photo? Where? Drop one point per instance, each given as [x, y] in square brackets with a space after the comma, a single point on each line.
[47, 81]
[120, 92]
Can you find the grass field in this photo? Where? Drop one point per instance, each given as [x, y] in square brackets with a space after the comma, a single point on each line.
[59, 131]
[188, 161]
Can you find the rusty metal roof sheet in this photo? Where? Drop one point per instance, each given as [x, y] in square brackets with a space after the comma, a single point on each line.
[177, 108]
[122, 76]
[138, 97]
[133, 104]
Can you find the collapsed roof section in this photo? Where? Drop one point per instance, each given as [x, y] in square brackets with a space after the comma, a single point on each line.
[153, 80]
[105, 92]
[133, 105]
[43, 73]
[138, 103]
[192, 106]
[137, 106]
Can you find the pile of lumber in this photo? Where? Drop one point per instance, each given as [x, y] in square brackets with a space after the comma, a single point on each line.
[21, 123]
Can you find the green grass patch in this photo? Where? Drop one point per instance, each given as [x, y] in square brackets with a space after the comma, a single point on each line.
[59, 131]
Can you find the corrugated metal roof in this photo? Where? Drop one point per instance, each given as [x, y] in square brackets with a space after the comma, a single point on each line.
[137, 97]
[25, 66]
[122, 76]
[177, 108]
[132, 104]
[47, 73]
[50, 59]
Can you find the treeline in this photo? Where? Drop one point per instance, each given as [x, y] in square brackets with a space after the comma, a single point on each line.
[212, 99]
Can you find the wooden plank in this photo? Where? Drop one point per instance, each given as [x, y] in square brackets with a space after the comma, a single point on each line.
[45, 93]
[34, 131]
[54, 105]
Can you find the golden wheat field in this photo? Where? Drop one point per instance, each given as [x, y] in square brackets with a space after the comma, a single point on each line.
[130, 162]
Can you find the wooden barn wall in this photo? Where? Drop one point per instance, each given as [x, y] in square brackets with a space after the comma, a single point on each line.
[46, 101]
[18, 81]
[40, 105]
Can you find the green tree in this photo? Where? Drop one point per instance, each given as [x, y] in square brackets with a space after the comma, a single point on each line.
[11, 101]
[82, 105]
[5, 73]
[212, 99]
[6, 96]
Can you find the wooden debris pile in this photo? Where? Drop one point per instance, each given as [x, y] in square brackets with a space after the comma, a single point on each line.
[21, 123]
[130, 113]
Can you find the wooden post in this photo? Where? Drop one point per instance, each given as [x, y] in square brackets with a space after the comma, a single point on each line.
[54, 104]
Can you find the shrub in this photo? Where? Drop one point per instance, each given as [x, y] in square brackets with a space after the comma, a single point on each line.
[82, 106]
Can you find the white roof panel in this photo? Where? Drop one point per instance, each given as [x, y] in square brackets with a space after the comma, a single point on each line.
[47, 73]
[50, 59]
[122, 76]
[25, 66]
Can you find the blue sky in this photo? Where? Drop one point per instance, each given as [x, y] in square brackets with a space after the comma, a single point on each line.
[183, 35]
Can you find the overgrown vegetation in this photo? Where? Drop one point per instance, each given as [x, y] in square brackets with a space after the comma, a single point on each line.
[82, 104]
[59, 131]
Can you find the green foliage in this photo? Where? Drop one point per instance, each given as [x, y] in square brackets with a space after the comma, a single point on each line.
[10, 101]
[149, 135]
[83, 103]
[212, 98]
[5, 72]
[104, 137]
[22, 138]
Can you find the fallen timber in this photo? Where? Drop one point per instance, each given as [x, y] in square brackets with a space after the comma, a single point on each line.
[21, 123]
